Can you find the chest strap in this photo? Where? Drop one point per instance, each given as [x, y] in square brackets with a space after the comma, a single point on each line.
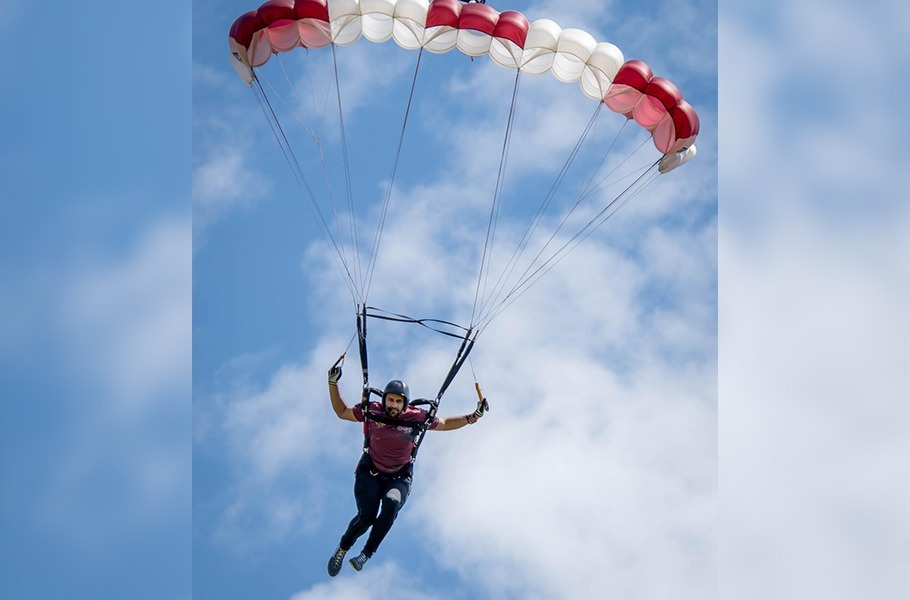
[387, 420]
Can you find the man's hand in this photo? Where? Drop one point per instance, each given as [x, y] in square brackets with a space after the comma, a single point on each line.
[482, 406]
[334, 375]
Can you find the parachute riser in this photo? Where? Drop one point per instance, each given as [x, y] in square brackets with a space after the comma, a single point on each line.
[364, 362]
[466, 346]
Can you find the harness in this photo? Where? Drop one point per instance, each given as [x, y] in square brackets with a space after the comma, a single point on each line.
[418, 427]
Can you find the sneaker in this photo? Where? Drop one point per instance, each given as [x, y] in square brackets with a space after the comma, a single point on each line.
[358, 561]
[335, 561]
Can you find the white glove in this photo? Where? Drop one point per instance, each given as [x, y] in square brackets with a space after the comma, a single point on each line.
[482, 406]
[334, 375]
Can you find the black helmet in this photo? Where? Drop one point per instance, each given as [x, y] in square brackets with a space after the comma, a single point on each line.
[399, 387]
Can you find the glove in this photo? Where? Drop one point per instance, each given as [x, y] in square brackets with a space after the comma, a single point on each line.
[482, 406]
[334, 375]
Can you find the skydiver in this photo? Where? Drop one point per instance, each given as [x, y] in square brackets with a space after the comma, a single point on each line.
[383, 475]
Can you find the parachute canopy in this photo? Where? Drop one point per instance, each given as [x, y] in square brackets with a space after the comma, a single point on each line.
[625, 87]
[508, 38]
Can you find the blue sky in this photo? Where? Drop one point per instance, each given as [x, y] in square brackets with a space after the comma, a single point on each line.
[624, 329]
[158, 338]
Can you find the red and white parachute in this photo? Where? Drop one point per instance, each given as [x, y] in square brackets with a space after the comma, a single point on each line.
[508, 38]
[511, 41]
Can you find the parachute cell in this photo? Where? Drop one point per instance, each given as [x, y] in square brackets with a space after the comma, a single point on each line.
[509, 39]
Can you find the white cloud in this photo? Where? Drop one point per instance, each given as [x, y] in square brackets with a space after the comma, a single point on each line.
[377, 581]
[223, 183]
[813, 311]
[812, 468]
[228, 172]
[280, 428]
[134, 315]
[120, 467]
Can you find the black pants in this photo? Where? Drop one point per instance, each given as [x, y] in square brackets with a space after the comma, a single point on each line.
[379, 497]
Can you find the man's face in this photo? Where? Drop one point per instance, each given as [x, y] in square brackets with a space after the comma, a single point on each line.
[394, 403]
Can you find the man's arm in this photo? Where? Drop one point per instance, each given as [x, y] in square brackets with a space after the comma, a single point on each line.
[344, 412]
[452, 423]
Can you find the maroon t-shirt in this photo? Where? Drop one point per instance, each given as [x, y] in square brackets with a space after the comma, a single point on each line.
[391, 445]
